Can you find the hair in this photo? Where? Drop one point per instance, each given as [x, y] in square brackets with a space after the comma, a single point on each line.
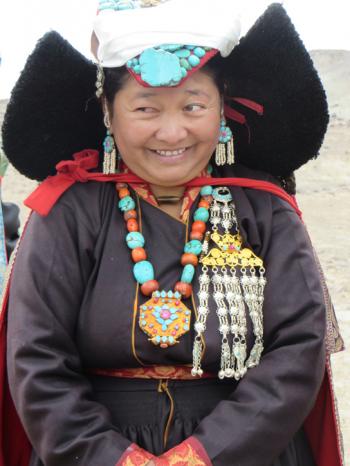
[115, 79]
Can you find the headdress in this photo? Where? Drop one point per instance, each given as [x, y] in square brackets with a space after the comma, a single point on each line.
[53, 111]
[163, 45]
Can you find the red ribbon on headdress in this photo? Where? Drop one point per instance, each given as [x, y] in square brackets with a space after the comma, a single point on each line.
[234, 115]
[71, 171]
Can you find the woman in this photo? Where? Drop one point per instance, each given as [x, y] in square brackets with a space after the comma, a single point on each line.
[154, 319]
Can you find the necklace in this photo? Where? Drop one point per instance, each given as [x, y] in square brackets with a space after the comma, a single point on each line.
[164, 317]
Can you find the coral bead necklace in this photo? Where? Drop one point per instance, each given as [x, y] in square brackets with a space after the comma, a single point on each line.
[164, 317]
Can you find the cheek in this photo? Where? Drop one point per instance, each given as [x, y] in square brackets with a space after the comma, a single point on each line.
[210, 131]
[129, 135]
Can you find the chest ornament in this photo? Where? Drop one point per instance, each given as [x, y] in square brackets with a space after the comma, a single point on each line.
[234, 277]
[164, 318]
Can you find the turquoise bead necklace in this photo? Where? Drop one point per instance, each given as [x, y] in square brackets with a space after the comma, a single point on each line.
[164, 318]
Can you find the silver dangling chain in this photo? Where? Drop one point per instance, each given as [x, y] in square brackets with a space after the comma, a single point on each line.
[236, 289]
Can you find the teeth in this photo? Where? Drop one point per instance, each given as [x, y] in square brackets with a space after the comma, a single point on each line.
[170, 153]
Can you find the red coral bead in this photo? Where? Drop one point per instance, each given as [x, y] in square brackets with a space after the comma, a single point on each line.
[198, 225]
[130, 214]
[123, 193]
[196, 235]
[149, 287]
[132, 225]
[204, 204]
[138, 255]
[185, 289]
[208, 199]
[187, 259]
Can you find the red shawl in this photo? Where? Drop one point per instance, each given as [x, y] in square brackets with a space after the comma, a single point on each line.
[321, 425]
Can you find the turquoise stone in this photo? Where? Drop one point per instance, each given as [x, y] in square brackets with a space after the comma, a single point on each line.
[188, 273]
[193, 247]
[160, 68]
[163, 294]
[137, 69]
[199, 52]
[183, 72]
[194, 60]
[186, 327]
[171, 339]
[171, 47]
[164, 339]
[158, 339]
[143, 272]
[183, 53]
[222, 194]
[184, 64]
[135, 240]
[190, 47]
[126, 204]
[206, 191]
[177, 295]
[170, 294]
[201, 214]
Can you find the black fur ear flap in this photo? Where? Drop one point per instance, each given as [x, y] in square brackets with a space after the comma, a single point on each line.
[52, 112]
[272, 67]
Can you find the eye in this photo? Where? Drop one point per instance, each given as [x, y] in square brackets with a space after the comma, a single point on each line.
[146, 109]
[194, 107]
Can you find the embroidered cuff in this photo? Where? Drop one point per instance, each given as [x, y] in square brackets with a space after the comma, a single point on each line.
[191, 451]
[134, 456]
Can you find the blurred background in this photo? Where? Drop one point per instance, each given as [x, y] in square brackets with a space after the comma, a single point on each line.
[323, 185]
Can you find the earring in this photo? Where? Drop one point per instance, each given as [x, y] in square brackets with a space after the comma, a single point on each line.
[225, 145]
[110, 153]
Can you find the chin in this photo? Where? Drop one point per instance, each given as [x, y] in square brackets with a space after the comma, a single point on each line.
[172, 178]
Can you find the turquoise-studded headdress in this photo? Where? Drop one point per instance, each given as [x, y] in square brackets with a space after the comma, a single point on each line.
[163, 42]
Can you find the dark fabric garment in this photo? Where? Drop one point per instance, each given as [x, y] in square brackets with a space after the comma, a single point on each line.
[71, 308]
[140, 412]
[11, 223]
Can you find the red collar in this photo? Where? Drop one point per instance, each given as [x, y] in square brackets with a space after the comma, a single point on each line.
[70, 172]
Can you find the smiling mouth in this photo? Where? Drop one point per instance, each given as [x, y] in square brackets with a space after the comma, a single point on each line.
[170, 153]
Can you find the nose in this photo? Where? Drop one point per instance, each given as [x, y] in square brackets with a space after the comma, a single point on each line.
[172, 131]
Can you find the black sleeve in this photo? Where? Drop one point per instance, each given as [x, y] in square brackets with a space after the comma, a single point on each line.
[271, 402]
[51, 394]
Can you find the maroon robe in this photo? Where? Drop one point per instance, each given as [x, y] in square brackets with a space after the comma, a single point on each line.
[70, 309]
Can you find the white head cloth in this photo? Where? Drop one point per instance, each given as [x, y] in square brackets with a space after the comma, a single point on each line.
[125, 34]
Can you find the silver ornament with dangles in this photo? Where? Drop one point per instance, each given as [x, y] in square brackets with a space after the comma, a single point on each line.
[235, 277]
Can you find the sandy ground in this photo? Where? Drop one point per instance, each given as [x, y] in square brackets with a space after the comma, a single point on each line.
[324, 197]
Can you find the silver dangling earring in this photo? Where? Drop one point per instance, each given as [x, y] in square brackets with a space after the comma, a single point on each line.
[110, 153]
[225, 146]
[100, 79]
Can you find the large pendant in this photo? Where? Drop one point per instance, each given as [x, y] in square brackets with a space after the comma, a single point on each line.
[164, 318]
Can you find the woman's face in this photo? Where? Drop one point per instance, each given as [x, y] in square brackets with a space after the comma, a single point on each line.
[167, 135]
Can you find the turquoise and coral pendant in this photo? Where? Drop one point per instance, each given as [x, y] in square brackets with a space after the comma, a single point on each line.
[164, 318]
